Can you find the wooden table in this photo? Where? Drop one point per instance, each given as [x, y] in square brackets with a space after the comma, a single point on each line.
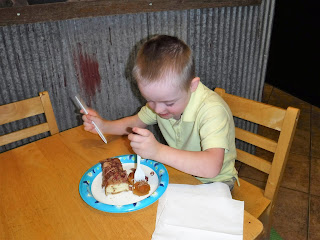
[39, 192]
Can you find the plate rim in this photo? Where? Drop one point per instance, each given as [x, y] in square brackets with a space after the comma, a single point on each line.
[88, 177]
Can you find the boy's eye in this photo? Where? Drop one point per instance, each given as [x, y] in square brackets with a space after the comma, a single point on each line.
[169, 104]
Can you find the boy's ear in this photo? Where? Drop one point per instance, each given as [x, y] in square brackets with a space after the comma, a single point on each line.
[194, 84]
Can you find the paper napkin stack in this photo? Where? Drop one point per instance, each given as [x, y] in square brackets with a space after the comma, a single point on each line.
[205, 211]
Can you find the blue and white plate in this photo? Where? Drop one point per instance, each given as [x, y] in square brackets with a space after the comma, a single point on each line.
[94, 195]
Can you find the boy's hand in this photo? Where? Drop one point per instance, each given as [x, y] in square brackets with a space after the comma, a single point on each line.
[91, 116]
[144, 143]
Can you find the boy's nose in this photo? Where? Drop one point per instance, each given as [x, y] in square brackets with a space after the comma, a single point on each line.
[158, 107]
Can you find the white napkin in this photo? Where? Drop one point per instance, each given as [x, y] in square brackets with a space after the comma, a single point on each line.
[205, 211]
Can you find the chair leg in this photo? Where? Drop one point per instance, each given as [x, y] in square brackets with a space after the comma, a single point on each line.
[266, 219]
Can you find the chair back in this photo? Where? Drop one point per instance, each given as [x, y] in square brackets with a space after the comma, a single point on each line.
[261, 201]
[26, 108]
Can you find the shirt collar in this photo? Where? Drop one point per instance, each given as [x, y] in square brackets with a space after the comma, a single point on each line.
[196, 100]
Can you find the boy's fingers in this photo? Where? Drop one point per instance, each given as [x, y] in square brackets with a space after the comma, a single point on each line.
[141, 131]
[90, 112]
[85, 117]
[133, 137]
[134, 145]
[88, 126]
[89, 118]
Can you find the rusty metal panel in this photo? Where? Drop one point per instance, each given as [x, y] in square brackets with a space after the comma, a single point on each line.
[94, 57]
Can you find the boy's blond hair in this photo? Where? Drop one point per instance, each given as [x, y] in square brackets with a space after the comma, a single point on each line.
[165, 57]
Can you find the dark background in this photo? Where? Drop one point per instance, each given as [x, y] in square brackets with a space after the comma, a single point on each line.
[293, 64]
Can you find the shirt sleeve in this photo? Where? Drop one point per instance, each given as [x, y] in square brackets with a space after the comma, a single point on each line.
[147, 116]
[215, 128]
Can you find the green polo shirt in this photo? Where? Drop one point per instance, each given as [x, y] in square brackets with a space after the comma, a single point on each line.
[207, 122]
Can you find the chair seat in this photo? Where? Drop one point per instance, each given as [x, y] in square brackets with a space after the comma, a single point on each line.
[254, 201]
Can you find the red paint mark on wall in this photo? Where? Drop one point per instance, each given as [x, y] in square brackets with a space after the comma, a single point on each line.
[87, 68]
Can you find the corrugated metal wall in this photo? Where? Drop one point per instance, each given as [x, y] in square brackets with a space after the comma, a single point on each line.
[94, 56]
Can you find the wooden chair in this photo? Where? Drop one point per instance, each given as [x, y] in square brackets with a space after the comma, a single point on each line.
[260, 202]
[26, 108]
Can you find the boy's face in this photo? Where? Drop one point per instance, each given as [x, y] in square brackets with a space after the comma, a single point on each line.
[165, 99]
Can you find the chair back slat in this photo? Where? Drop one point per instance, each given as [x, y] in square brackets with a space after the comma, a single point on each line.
[24, 133]
[253, 111]
[254, 161]
[27, 108]
[21, 109]
[256, 140]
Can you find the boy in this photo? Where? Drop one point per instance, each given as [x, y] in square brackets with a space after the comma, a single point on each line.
[195, 121]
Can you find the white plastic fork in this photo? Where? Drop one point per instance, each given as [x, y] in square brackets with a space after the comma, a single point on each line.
[139, 173]
[82, 106]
